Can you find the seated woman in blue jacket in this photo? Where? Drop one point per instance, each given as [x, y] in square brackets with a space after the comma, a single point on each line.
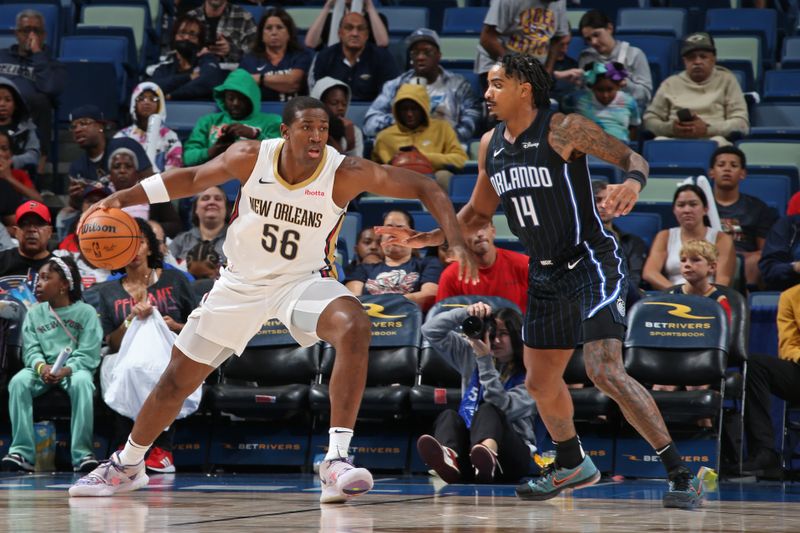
[491, 436]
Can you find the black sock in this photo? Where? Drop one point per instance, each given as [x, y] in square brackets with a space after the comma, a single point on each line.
[670, 457]
[569, 453]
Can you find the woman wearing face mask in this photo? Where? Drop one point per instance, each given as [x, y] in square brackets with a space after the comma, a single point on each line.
[491, 436]
[598, 32]
[189, 72]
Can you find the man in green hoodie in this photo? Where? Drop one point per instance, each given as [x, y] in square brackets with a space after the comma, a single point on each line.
[239, 98]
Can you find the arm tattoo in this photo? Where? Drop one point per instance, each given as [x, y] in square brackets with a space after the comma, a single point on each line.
[574, 135]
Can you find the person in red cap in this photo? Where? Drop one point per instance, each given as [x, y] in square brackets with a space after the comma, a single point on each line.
[32, 225]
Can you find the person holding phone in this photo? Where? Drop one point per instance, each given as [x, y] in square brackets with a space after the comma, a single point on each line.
[230, 29]
[702, 102]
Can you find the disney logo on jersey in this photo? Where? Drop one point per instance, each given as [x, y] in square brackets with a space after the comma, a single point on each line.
[513, 178]
[527, 145]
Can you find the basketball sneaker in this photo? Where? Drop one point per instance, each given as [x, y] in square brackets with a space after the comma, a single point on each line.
[484, 461]
[443, 460]
[110, 478]
[685, 490]
[15, 462]
[555, 479]
[160, 460]
[341, 480]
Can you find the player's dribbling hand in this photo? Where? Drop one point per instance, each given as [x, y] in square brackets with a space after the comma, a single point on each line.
[621, 197]
[106, 203]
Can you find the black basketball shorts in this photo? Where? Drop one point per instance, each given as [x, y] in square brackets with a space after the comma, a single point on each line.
[576, 301]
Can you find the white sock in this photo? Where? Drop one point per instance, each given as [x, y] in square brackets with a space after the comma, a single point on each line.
[338, 443]
[132, 453]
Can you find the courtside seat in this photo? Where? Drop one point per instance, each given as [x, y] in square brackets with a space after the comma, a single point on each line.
[266, 382]
[677, 339]
[393, 359]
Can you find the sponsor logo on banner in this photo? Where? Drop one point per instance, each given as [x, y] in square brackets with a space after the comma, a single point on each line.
[390, 325]
[273, 326]
[691, 326]
[251, 446]
[654, 458]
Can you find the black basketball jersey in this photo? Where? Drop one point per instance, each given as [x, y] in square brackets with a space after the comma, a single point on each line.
[548, 201]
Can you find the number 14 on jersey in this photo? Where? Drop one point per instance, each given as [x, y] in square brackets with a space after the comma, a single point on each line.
[525, 211]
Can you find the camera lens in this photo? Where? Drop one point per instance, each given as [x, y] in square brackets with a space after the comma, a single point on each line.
[473, 327]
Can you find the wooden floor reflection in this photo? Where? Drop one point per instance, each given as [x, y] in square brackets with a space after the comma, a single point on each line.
[241, 503]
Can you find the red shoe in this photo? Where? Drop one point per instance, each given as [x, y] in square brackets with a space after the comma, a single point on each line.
[160, 460]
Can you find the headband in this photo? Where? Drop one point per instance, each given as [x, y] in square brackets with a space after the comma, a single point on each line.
[608, 70]
[67, 274]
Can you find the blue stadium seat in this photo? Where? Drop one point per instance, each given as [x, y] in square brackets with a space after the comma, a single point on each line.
[459, 20]
[775, 121]
[52, 20]
[782, 86]
[691, 156]
[404, 20]
[272, 107]
[774, 190]
[7, 39]
[763, 325]
[113, 49]
[643, 225]
[461, 186]
[661, 52]
[653, 21]
[357, 111]
[424, 221]
[472, 78]
[182, 116]
[90, 82]
[767, 156]
[609, 8]
[351, 227]
[790, 56]
[696, 11]
[231, 189]
[133, 62]
[436, 9]
[762, 23]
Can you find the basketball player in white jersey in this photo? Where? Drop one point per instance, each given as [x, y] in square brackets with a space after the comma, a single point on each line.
[280, 246]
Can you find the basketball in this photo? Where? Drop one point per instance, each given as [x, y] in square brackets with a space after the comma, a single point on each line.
[109, 238]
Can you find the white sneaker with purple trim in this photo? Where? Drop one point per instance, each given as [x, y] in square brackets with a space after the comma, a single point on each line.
[110, 478]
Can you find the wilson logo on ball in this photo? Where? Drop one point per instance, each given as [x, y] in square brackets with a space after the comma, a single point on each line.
[92, 227]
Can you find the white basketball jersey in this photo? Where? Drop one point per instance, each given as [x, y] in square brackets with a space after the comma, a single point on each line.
[280, 229]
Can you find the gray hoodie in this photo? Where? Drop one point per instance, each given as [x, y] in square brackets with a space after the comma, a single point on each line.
[318, 90]
[516, 403]
[22, 131]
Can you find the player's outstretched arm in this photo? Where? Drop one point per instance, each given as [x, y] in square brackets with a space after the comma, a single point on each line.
[236, 162]
[359, 175]
[574, 135]
[483, 203]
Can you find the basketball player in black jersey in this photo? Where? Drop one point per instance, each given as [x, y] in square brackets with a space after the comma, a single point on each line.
[534, 163]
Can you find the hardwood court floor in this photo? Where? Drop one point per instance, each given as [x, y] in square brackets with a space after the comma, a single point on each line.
[289, 503]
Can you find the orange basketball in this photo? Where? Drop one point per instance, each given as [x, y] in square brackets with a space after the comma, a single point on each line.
[109, 238]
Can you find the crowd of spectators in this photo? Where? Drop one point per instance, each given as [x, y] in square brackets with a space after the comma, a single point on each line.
[424, 118]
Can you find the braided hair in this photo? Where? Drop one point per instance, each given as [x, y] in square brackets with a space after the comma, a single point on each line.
[528, 69]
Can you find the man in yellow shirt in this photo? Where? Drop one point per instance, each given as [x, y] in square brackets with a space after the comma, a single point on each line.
[768, 375]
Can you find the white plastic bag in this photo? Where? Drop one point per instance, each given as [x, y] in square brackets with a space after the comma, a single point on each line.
[128, 377]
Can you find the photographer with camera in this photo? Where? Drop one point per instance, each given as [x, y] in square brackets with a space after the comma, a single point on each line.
[491, 437]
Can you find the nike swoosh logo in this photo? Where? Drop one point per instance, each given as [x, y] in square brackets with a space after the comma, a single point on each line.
[558, 482]
[261, 180]
[497, 152]
[573, 264]
[261, 68]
